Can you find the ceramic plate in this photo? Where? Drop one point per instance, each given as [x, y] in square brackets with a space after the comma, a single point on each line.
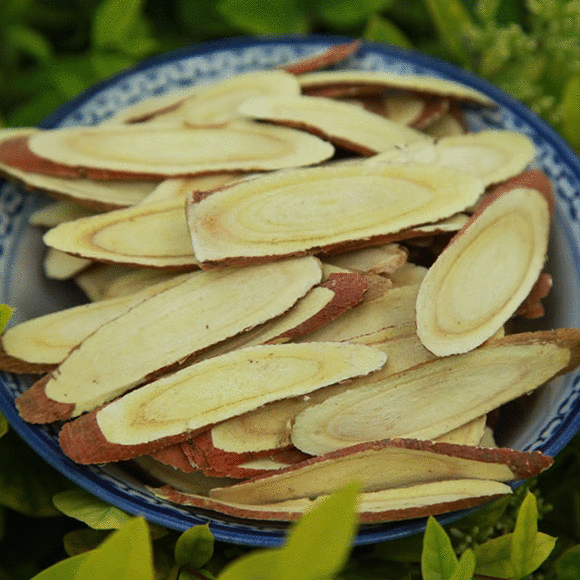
[546, 421]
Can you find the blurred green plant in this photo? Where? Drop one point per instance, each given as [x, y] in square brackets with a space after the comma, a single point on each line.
[52, 50]
[529, 49]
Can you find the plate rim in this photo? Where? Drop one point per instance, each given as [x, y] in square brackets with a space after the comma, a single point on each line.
[242, 534]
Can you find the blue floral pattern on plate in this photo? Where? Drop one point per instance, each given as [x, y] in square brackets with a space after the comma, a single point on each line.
[552, 415]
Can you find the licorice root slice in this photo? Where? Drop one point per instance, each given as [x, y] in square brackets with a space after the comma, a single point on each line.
[487, 270]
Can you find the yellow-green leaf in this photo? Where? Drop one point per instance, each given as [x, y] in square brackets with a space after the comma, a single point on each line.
[568, 564]
[438, 559]
[380, 29]
[83, 540]
[319, 545]
[87, 508]
[194, 547]
[451, 20]
[571, 110]
[5, 315]
[4, 426]
[258, 565]
[63, 570]
[523, 543]
[126, 554]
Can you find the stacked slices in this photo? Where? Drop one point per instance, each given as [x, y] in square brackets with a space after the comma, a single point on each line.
[296, 277]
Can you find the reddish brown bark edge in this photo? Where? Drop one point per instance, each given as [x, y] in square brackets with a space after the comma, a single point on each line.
[239, 511]
[16, 365]
[83, 441]
[333, 55]
[35, 406]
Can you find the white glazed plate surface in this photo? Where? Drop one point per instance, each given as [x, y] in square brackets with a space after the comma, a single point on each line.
[546, 421]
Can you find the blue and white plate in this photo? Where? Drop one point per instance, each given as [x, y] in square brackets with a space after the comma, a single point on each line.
[546, 421]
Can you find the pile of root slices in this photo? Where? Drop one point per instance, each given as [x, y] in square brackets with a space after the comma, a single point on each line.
[296, 277]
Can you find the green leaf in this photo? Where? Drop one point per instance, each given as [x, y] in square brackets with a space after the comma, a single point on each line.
[83, 540]
[33, 110]
[71, 75]
[316, 548]
[114, 21]
[5, 315]
[493, 557]
[4, 425]
[27, 482]
[28, 41]
[203, 18]
[465, 567]
[380, 29]
[523, 543]
[85, 507]
[570, 107]
[106, 64]
[568, 564]
[344, 14]
[319, 545]
[452, 21]
[258, 565]
[487, 10]
[517, 554]
[194, 547]
[125, 555]
[63, 570]
[438, 559]
[266, 17]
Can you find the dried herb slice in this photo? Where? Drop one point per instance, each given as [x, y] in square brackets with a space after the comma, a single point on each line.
[444, 393]
[384, 259]
[177, 406]
[492, 155]
[219, 102]
[206, 308]
[344, 124]
[62, 266]
[332, 55]
[269, 427]
[406, 108]
[365, 81]
[159, 151]
[58, 212]
[413, 501]
[19, 164]
[379, 312]
[210, 104]
[48, 339]
[102, 281]
[385, 464]
[152, 234]
[322, 208]
[479, 280]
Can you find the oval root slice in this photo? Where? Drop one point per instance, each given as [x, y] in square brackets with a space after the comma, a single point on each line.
[381, 80]
[158, 150]
[322, 209]
[48, 339]
[386, 464]
[487, 270]
[414, 501]
[177, 406]
[444, 393]
[344, 124]
[152, 234]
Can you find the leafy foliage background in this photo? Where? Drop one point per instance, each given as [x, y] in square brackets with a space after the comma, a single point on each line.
[51, 50]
